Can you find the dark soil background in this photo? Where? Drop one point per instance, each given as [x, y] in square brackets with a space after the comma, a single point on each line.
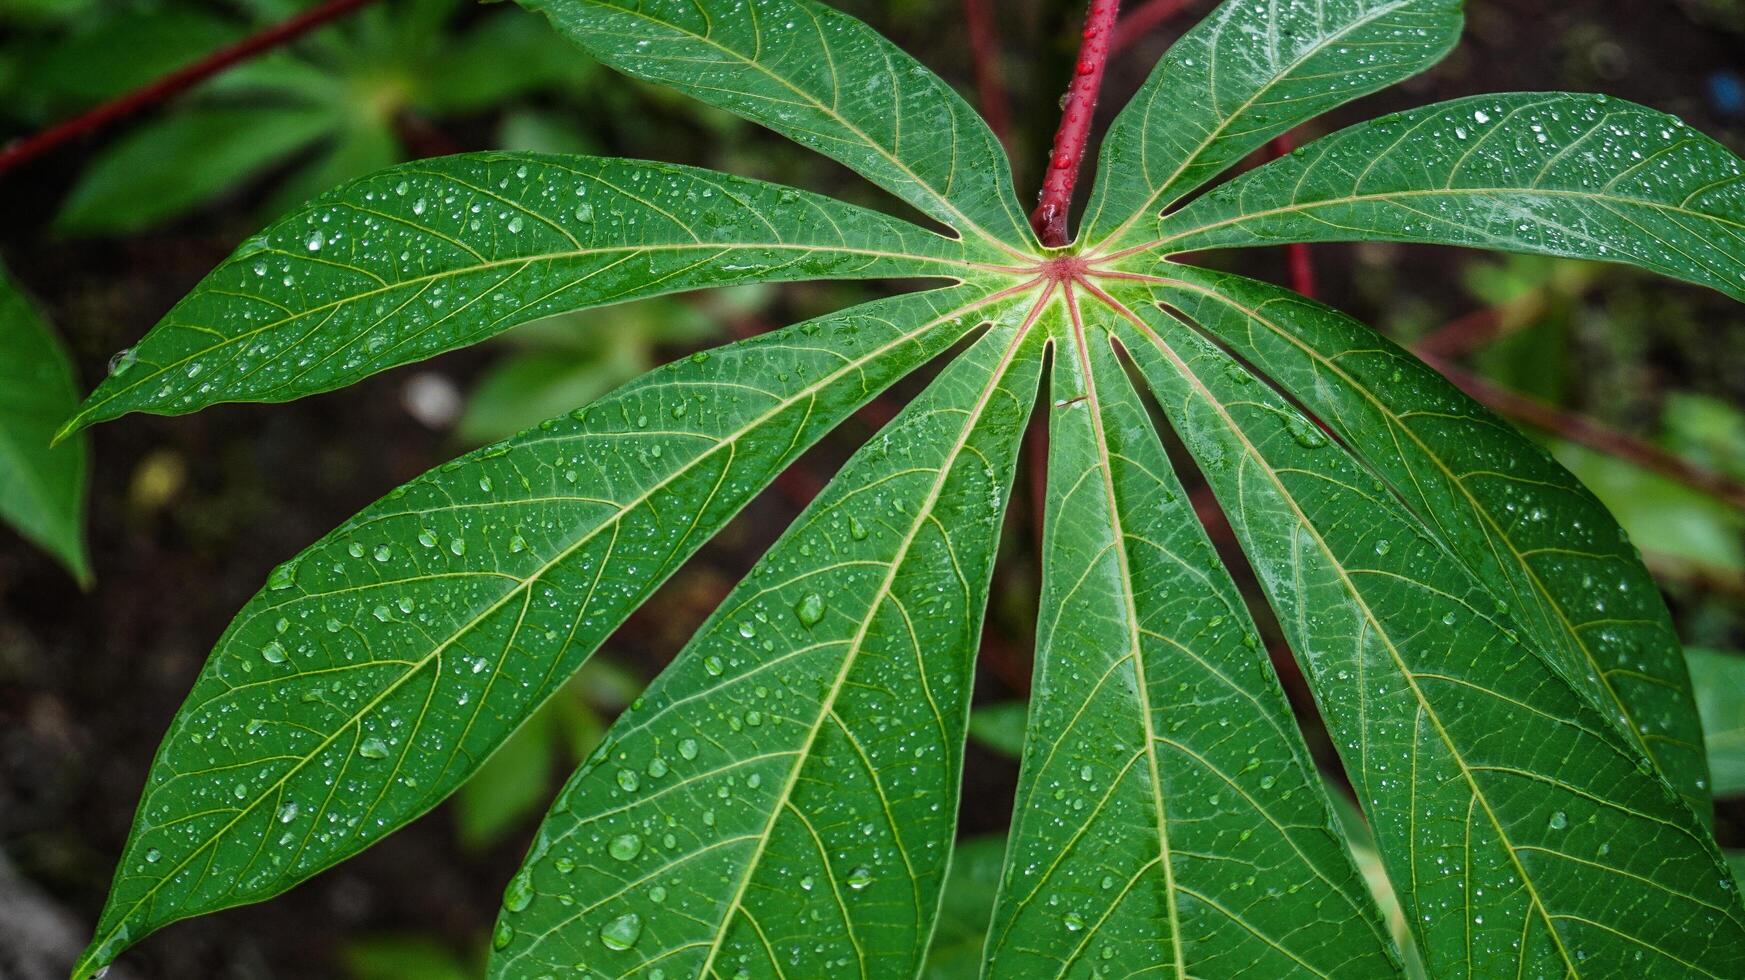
[188, 514]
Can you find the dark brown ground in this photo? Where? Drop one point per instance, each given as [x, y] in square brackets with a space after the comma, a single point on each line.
[88, 683]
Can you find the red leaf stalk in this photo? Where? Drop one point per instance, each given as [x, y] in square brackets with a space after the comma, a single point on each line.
[27, 149]
[1077, 112]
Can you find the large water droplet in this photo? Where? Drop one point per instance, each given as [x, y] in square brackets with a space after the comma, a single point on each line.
[621, 933]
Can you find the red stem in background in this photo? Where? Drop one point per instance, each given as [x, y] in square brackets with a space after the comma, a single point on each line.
[1141, 21]
[1077, 112]
[984, 55]
[1302, 263]
[27, 149]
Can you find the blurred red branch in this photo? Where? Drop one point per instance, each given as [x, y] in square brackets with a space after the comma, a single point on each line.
[1077, 113]
[1140, 22]
[984, 54]
[29, 148]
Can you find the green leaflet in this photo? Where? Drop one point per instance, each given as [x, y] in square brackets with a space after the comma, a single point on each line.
[379, 668]
[782, 800]
[1522, 834]
[1167, 812]
[42, 490]
[964, 909]
[434, 255]
[1530, 531]
[163, 170]
[825, 80]
[1719, 679]
[1251, 70]
[1574, 175]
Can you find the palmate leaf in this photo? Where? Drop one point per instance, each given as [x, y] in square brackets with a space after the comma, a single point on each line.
[42, 490]
[1582, 176]
[724, 827]
[379, 668]
[1527, 838]
[1158, 735]
[438, 254]
[1501, 684]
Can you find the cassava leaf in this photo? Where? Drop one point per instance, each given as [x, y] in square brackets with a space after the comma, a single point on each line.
[42, 490]
[438, 254]
[824, 79]
[782, 801]
[1522, 832]
[377, 669]
[1167, 814]
[1536, 538]
[1574, 175]
[1251, 70]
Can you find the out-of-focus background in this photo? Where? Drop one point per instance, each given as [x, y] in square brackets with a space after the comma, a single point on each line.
[1636, 383]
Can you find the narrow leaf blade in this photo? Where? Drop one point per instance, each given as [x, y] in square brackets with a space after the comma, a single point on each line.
[1167, 815]
[437, 254]
[1253, 69]
[1525, 836]
[783, 799]
[822, 78]
[1580, 176]
[381, 666]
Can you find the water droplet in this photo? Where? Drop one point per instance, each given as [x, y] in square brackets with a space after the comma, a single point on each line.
[153, 856]
[501, 936]
[627, 780]
[859, 878]
[625, 847]
[1559, 820]
[688, 748]
[519, 894]
[373, 748]
[621, 933]
[810, 609]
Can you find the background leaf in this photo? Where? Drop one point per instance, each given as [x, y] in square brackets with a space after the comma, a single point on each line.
[42, 490]
[1719, 679]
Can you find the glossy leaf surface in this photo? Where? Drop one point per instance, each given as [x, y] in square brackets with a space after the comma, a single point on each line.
[1166, 811]
[1537, 539]
[824, 79]
[782, 800]
[434, 255]
[1507, 809]
[42, 490]
[1483, 646]
[1573, 175]
[1251, 70]
[379, 668]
